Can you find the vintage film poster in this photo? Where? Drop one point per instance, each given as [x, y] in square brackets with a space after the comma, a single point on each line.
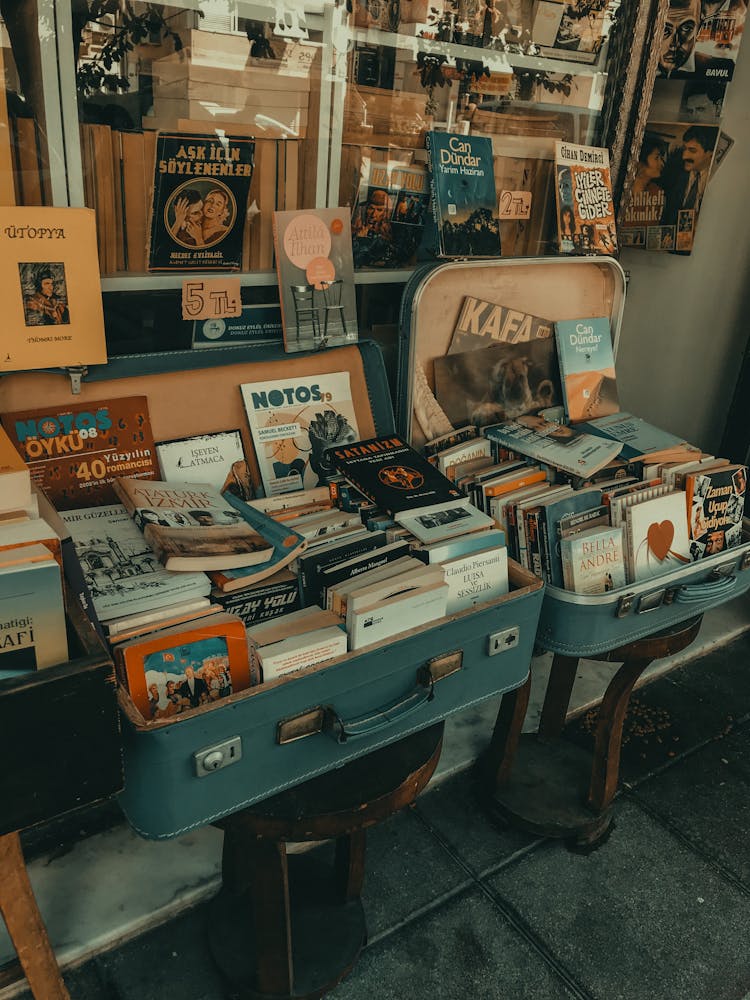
[701, 39]
[52, 306]
[292, 422]
[199, 205]
[665, 200]
[585, 212]
[389, 215]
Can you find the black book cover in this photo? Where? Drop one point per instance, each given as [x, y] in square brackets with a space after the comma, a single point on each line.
[199, 205]
[392, 474]
[269, 599]
[313, 563]
[333, 575]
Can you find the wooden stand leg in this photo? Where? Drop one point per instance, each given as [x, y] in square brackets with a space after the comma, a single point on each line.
[608, 743]
[504, 744]
[267, 863]
[350, 864]
[25, 925]
[557, 696]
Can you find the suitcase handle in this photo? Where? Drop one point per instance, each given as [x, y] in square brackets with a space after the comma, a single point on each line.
[694, 593]
[391, 714]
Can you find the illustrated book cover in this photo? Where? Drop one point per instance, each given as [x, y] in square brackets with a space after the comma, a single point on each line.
[715, 506]
[566, 448]
[217, 459]
[392, 474]
[482, 324]
[292, 422]
[593, 561]
[32, 614]
[656, 536]
[74, 452]
[123, 575]
[636, 435]
[551, 516]
[665, 198]
[497, 383]
[389, 213]
[315, 270]
[199, 203]
[585, 212]
[173, 670]
[587, 368]
[52, 306]
[190, 526]
[463, 195]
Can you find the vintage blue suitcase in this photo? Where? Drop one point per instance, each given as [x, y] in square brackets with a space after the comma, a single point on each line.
[553, 288]
[280, 734]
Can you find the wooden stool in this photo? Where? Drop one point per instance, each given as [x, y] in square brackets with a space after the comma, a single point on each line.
[25, 925]
[552, 789]
[279, 927]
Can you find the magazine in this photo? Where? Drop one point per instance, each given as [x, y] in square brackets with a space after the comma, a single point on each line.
[482, 323]
[292, 422]
[389, 215]
[585, 211]
[555, 444]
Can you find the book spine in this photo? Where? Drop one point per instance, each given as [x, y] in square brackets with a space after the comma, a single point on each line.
[434, 204]
[534, 548]
[567, 565]
[544, 546]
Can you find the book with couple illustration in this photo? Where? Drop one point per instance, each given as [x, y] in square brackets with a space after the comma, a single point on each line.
[199, 204]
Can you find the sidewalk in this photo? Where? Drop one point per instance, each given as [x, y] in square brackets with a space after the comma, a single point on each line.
[458, 909]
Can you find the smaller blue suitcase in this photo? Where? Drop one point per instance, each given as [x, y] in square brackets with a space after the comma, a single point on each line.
[555, 288]
[284, 732]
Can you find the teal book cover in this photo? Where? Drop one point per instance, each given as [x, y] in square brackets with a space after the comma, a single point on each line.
[464, 198]
[32, 615]
[587, 368]
[636, 435]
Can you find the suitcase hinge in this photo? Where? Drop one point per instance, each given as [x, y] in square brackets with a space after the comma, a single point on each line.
[439, 667]
[624, 605]
[76, 374]
[745, 561]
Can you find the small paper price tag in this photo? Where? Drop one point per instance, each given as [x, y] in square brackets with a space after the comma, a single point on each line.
[211, 298]
[515, 205]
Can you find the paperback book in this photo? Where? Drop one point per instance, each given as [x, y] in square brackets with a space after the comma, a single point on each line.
[190, 526]
[593, 561]
[32, 615]
[217, 459]
[75, 452]
[636, 436]
[587, 368]
[476, 578]
[481, 324]
[435, 523]
[585, 211]
[656, 537]
[278, 594]
[315, 269]
[715, 505]
[293, 422]
[199, 203]
[389, 213]
[463, 195]
[563, 447]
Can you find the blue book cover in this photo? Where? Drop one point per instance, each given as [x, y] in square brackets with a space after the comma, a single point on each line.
[464, 198]
[587, 368]
[549, 518]
[636, 435]
[32, 623]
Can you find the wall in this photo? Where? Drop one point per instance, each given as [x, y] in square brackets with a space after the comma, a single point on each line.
[686, 318]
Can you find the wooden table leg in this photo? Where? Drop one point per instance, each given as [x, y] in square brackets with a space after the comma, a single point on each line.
[350, 864]
[557, 696]
[501, 753]
[25, 925]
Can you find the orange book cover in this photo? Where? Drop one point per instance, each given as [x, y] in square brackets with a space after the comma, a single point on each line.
[515, 483]
[52, 308]
[175, 669]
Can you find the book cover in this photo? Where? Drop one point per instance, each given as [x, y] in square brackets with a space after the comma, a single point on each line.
[476, 578]
[370, 593]
[15, 478]
[398, 614]
[551, 515]
[258, 323]
[360, 565]
[715, 505]
[718, 40]
[463, 195]
[664, 203]
[190, 526]
[571, 450]
[292, 422]
[593, 561]
[315, 270]
[298, 652]
[636, 436]
[277, 595]
[461, 545]
[452, 439]
[656, 536]
[389, 213]
[475, 449]
[481, 324]
[311, 565]
[217, 459]
[52, 307]
[585, 212]
[499, 382]
[75, 452]
[32, 615]
[122, 573]
[199, 203]
[434, 523]
[173, 670]
[587, 368]
[337, 595]
[392, 474]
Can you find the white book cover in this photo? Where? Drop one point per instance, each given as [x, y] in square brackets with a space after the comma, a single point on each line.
[337, 597]
[32, 615]
[403, 583]
[205, 458]
[123, 573]
[593, 561]
[656, 536]
[444, 520]
[399, 614]
[293, 421]
[476, 578]
[300, 651]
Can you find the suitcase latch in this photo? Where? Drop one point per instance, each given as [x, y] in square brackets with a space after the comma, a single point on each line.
[440, 666]
[625, 605]
[650, 602]
[306, 724]
[76, 374]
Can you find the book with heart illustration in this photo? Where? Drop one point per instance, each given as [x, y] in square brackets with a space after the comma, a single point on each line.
[656, 536]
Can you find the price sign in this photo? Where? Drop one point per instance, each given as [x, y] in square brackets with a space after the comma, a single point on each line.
[211, 298]
[515, 205]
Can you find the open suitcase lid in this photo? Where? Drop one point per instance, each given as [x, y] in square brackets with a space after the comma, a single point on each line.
[555, 288]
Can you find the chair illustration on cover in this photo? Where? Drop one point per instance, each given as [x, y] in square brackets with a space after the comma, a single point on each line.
[333, 306]
[306, 312]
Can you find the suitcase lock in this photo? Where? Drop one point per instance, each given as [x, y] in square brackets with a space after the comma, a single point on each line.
[625, 605]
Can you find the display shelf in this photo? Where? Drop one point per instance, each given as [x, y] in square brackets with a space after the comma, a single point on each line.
[162, 282]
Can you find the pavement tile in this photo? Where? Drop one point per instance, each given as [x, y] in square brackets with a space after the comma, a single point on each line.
[453, 809]
[84, 983]
[641, 918]
[464, 950]
[706, 797]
